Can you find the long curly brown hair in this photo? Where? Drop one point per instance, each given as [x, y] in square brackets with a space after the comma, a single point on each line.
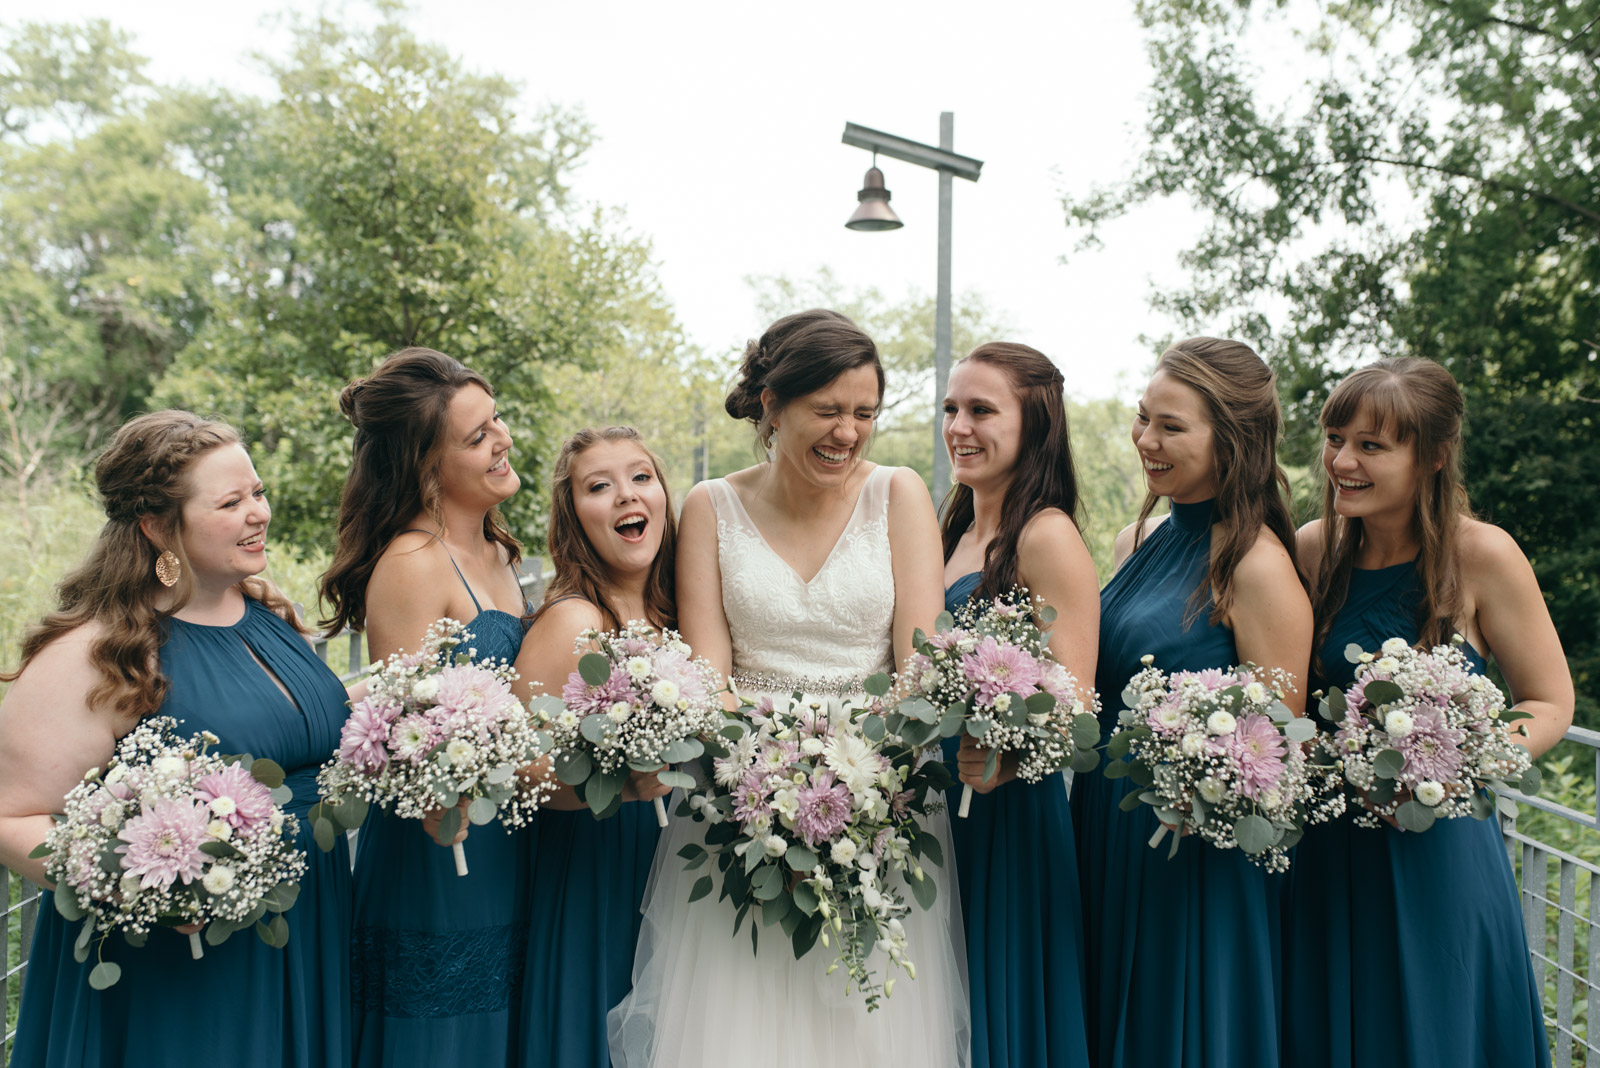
[401, 418]
[1241, 397]
[142, 475]
[1418, 402]
[578, 567]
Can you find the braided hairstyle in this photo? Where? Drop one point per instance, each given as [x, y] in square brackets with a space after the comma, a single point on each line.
[141, 475]
[798, 354]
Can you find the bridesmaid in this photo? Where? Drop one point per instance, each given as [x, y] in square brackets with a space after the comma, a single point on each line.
[1011, 521]
[168, 616]
[1183, 954]
[1433, 971]
[612, 542]
[436, 963]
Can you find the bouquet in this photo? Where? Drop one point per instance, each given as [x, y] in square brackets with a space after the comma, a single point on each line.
[434, 728]
[1217, 753]
[640, 703]
[167, 835]
[993, 678]
[815, 824]
[1419, 736]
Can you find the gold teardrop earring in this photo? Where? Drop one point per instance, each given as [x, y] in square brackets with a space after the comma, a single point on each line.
[168, 568]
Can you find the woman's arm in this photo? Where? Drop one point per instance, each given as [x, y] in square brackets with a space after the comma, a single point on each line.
[49, 736]
[700, 617]
[1515, 625]
[916, 556]
[1271, 615]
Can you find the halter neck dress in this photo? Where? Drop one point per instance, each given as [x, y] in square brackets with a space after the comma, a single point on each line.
[276, 1007]
[1404, 948]
[1182, 955]
[1017, 872]
[437, 958]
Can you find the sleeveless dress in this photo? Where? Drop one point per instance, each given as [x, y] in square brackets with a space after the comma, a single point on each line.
[700, 996]
[275, 1007]
[1016, 866]
[437, 958]
[1404, 948]
[588, 878]
[1182, 955]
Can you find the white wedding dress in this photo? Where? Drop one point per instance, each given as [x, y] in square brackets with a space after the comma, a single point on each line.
[701, 998]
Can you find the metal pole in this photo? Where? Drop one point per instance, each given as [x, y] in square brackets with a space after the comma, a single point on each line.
[941, 326]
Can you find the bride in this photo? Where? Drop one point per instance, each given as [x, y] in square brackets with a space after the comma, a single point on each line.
[807, 572]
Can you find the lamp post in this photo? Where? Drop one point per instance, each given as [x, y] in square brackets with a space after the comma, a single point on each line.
[874, 213]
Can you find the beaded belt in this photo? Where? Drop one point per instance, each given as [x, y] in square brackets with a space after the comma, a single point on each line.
[821, 686]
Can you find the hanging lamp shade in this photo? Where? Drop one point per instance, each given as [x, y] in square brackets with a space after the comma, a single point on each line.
[873, 211]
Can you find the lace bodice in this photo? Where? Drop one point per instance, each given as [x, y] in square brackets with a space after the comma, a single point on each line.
[824, 635]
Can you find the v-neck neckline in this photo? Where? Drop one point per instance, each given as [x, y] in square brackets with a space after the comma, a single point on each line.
[849, 523]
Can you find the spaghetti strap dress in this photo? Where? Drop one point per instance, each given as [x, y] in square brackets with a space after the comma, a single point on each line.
[1182, 955]
[1404, 948]
[1017, 871]
[270, 1007]
[437, 958]
[588, 883]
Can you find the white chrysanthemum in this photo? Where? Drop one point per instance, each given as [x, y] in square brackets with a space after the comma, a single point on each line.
[1221, 722]
[110, 816]
[460, 751]
[665, 693]
[1255, 693]
[221, 830]
[1271, 797]
[812, 747]
[638, 668]
[1211, 790]
[1388, 665]
[116, 774]
[774, 845]
[1002, 703]
[1039, 719]
[130, 885]
[1170, 717]
[931, 680]
[618, 712]
[425, 689]
[1430, 793]
[843, 852]
[1398, 723]
[1395, 646]
[1194, 743]
[853, 760]
[224, 806]
[275, 821]
[218, 879]
[168, 768]
[567, 720]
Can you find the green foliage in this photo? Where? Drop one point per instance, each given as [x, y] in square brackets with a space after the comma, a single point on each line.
[1427, 187]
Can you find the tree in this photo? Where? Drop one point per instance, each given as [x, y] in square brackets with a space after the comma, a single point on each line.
[1429, 188]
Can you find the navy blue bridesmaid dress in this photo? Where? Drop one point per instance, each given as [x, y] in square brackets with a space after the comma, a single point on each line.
[1404, 948]
[1016, 868]
[243, 1003]
[1182, 955]
[437, 958]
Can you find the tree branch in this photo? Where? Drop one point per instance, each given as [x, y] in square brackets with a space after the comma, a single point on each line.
[1492, 183]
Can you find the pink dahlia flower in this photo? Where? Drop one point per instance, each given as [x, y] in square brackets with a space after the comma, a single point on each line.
[752, 797]
[1259, 751]
[471, 689]
[163, 842]
[996, 669]
[584, 699]
[824, 810]
[363, 743]
[679, 669]
[234, 796]
[1432, 749]
[1212, 679]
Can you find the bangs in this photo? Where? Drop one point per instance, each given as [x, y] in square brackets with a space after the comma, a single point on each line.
[1384, 396]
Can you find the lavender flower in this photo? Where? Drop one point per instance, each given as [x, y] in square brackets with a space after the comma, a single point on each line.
[824, 809]
[1433, 748]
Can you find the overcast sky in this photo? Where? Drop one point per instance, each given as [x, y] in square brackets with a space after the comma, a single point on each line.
[719, 128]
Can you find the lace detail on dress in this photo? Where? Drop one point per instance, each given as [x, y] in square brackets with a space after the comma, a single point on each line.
[838, 625]
[413, 974]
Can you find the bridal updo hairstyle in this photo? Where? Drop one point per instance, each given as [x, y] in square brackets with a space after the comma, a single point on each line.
[142, 475]
[1044, 475]
[799, 354]
[1241, 396]
[401, 417]
[1417, 402]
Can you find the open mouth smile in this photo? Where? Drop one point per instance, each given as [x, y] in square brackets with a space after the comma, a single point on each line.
[632, 527]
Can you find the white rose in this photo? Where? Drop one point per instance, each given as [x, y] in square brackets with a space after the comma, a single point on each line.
[1256, 693]
[1395, 646]
[1398, 723]
[843, 851]
[1429, 792]
[665, 693]
[618, 712]
[775, 845]
[1221, 722]
[1211, 790]
[1002, 703]
[218, 879]
[812, 746]
[638, 668]
[1194, 744]
[460, 752]
[425, 689]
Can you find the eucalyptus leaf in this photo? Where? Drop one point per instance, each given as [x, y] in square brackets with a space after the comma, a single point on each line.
[925, 890]
[877, 685]
[215, 847]
[702, 887]
[136, 939]
[767, 883]
[481, 811]
[1388, 764]
[40, 851]
[268, 773]
[602, 789]
[281, 898]
[1531, 780]
[931, 848]
[977, 728]
[1130, 801]
[1415, 816]
[1335, 706]
[281, 795]
[951, 724]
[1353, 653]
[351, 814]
[684, 749]
[104, 975]
[681, 779]
[322, 830]
[1085, 730]
[1380, 692]
[1118, 746]
[67, 905]
[945, 621]
[1506, 806]
[1117, 769]
[1086, 759]
[774, 911]
[596, 728]
[806, 899]
[873, 728]
[800, 858]
[1299, 729]
[1040, 704]
[573, 766]
[594, 669]
[1255, 834]
[1482, 806]
[919, 709]
[449, 824]
[80, 947]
